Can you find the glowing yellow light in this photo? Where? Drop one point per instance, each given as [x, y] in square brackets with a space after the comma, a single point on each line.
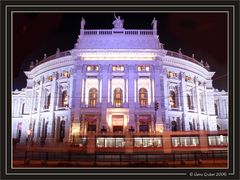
[28, 132]
[118, 56]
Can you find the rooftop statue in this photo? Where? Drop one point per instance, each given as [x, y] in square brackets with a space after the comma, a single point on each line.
[118, 22]
[154, 23]
[83, 22]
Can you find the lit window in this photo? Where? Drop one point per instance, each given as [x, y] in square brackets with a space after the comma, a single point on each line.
[217, 140]
[64, 102]
[47, 101]
[92, 68]
[50, 78]
[187, 78]
[185, 141]
[172, 99]
[147, 68]
[143, 68]
[189, 101]
[66, 74]
[88, 68]
[143, 97]
[171, 74]
[118, 68]
[118, 97]
[110, 142]
[93, 97]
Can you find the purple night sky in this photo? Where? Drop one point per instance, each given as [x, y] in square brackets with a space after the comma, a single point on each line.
[204, 34]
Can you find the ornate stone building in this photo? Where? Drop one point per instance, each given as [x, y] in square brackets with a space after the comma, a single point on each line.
[116, 80]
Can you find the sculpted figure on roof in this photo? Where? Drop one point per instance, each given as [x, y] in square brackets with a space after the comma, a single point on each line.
[118, 22]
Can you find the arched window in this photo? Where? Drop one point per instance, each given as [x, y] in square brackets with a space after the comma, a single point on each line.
[143, 97]
[36, 101]
[23, 108]
[216, 109]
[19, 131]
[62, 131]
[64, 102]
[174, 126]
[47, 101]
[45, 130]
[190, 126]
[92, 97]
[118, 97]
[189, 101]
[172, 99]
[202, 102]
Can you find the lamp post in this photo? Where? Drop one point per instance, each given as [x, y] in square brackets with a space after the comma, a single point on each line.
[156, 106]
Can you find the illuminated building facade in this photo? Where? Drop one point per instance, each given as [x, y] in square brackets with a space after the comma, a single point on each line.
[117, 82]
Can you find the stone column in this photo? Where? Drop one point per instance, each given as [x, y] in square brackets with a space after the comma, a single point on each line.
[183, 100]
[207, 111]
[67, 130]
[38, 120]
[52, 106]
[136, 92]
[151, 92]
[104, 105]
[98, 92]
[165, 98]
[125, 91]
[198, 104]
[110, 89]
[71, 88]
[77, 90]
[131, 89]
[159, 96]
[84, 93]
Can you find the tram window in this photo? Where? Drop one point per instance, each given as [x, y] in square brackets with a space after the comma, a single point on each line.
[157, 142]
[110, 142]
[100, 142]
[147, 142]
[138, 142]
[217, 140]
[119, 142]
[185, 141]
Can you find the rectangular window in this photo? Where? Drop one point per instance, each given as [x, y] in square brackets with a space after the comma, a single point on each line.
[119, 68]
[93, 68]
[147, 142]
[217, 140]
[142, 68]
[185, 141]
[100, 142]
[110, 142]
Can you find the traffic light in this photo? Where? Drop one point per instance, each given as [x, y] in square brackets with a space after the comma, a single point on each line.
[156, 105]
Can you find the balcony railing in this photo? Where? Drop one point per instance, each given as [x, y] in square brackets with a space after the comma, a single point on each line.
[182, 56]
[54, 56]
[121, 31]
